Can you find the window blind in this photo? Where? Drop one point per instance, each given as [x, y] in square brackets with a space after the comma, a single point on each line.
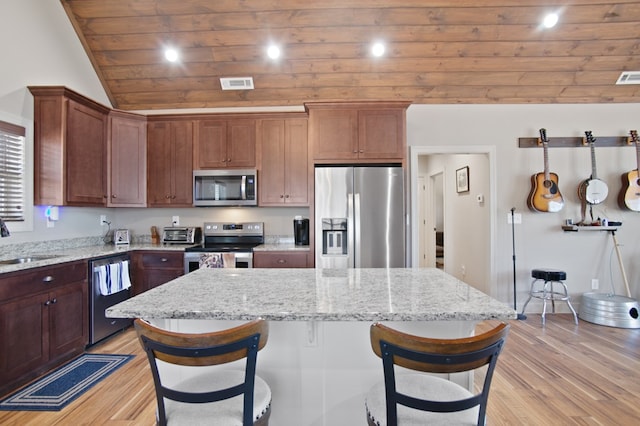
[12, 169]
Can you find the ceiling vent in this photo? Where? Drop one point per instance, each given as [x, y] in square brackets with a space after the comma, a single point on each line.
[237, 83]
[629, 77]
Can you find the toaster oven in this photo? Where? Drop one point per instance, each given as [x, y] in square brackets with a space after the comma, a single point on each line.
[182, 235]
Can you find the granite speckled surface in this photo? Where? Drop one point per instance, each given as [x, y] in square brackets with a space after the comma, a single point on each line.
[315, 294]
[66, 253]
[68, 250]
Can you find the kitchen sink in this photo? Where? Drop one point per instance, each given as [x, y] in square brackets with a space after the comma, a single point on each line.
[27, 259]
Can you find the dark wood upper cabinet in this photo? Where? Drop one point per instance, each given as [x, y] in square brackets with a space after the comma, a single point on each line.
[70, 148]
[284, 165]
[357, 132]
[170, 163]
[127, 157]
[229, 143]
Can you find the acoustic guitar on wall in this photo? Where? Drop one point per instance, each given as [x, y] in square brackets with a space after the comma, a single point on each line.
[545, 195]
[629, 197]
[593, 190]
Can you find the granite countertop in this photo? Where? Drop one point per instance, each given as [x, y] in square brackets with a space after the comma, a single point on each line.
[62, 255]
[402, 294]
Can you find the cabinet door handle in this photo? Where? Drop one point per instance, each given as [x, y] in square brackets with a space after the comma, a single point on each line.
[361, 151]
[164, 259]
[286, 196]
[54, 301]
[47, 279]
[114, 196]
[47, 303]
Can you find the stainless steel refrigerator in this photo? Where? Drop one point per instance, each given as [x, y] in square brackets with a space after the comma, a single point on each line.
[359, 217]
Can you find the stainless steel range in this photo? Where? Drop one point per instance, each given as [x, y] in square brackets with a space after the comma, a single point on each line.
[225, 245]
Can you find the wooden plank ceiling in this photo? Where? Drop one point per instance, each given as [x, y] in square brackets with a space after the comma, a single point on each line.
[437, 51]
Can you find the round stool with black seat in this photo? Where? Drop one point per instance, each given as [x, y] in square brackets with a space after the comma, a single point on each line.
[547, 277]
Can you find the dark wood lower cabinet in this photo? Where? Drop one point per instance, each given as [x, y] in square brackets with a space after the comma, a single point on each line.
[153, 268]
[280, 259]
[43, 320]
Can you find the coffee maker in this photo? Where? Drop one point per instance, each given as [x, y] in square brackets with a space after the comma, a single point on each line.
[301, 231]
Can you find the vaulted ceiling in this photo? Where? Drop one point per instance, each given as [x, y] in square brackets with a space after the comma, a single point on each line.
[437, 51]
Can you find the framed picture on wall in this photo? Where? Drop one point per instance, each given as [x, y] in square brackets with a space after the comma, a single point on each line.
[462, 179]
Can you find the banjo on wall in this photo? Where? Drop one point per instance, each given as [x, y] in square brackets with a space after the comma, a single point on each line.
[593, 190]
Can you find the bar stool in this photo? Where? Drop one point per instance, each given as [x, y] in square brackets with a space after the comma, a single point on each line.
[549, 277]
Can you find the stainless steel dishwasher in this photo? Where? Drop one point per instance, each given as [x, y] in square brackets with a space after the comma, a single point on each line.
[109, 284]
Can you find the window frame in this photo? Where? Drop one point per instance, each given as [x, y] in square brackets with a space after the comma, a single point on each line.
[12, 122]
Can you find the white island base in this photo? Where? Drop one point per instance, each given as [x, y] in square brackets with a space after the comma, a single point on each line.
[319, 371]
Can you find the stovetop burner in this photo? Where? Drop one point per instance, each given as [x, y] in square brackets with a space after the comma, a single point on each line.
[230, 237]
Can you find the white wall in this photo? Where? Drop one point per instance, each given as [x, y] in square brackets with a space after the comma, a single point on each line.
[40, 47]
[539, 239]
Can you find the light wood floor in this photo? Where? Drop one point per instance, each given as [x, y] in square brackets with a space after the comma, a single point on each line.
[560, 374]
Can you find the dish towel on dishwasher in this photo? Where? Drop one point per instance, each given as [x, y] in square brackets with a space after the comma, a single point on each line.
[112, 278]
[217, 260]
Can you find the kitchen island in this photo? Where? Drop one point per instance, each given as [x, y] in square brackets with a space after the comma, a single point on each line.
[318, 360]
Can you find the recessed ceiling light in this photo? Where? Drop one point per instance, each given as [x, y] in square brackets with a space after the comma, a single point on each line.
[171, 55]
[550, 20]
[377, 49]
[273, 51]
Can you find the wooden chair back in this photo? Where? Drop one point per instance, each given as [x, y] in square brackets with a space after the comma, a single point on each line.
[432, 355]
[203, 349]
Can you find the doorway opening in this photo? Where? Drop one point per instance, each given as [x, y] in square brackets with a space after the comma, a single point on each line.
[437, 212]
[467, 239]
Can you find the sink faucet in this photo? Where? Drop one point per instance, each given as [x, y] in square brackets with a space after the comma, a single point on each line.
[4, 231]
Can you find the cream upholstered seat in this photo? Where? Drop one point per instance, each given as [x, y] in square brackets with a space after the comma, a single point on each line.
[414, 398]
[224, 397]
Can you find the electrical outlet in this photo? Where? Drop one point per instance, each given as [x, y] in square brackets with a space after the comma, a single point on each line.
[517, 218]
[103, 219]
[175, 220]
[595, 284]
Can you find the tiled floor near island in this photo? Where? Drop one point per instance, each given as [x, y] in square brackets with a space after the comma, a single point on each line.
[559, 374]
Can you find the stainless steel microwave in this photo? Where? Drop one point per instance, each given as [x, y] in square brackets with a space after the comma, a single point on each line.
[225, 188]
